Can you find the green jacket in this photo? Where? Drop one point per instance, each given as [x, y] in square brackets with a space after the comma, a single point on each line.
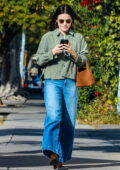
[62, 65]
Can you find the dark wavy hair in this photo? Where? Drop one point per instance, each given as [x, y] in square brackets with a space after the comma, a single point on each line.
[61, 10]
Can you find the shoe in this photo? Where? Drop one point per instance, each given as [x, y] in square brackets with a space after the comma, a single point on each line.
[54, 161]
[58, 165]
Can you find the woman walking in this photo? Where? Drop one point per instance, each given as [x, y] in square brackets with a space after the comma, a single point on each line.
[59, 51]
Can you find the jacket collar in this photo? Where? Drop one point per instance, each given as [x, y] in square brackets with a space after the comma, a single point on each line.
[57, 32]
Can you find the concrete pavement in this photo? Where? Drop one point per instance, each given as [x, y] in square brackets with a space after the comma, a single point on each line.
[95, 148]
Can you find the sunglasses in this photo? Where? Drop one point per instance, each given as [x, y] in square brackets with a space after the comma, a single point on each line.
[68, 21]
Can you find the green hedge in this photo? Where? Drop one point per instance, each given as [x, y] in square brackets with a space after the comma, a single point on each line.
[100, 26]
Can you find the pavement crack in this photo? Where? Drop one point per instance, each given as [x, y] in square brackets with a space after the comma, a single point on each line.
[11, 137]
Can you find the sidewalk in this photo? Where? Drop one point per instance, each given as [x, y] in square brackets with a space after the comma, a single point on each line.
[95, 148]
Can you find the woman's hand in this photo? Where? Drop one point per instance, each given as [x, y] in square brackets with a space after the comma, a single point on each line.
[58, 49]
[69, 49]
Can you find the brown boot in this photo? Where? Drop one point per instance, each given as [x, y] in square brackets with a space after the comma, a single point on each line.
[54, 161]
[58, 165]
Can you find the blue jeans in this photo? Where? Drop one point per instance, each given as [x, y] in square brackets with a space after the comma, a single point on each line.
[61, 98]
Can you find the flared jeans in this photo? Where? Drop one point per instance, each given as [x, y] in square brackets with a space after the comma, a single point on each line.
[60, 98]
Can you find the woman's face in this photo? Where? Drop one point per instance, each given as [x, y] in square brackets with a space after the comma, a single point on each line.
[64, 22]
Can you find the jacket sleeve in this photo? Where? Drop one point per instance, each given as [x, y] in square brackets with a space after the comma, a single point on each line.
[82, 53]
[43, 55]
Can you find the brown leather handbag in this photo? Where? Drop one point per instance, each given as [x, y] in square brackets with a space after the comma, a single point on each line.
[84, 77]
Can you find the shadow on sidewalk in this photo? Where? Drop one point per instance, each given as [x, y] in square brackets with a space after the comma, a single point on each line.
[21, 132]
[82, 163]
[105, 140]
[13, 161]
[34, 158]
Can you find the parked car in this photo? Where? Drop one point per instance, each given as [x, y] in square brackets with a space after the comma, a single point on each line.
[35, 84]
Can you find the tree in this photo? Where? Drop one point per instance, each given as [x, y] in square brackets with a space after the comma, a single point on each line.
[30, 15]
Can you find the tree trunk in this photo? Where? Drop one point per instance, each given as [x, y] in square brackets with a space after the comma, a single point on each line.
[10, 88]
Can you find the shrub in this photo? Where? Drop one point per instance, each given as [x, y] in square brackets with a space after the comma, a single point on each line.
[100, 26]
